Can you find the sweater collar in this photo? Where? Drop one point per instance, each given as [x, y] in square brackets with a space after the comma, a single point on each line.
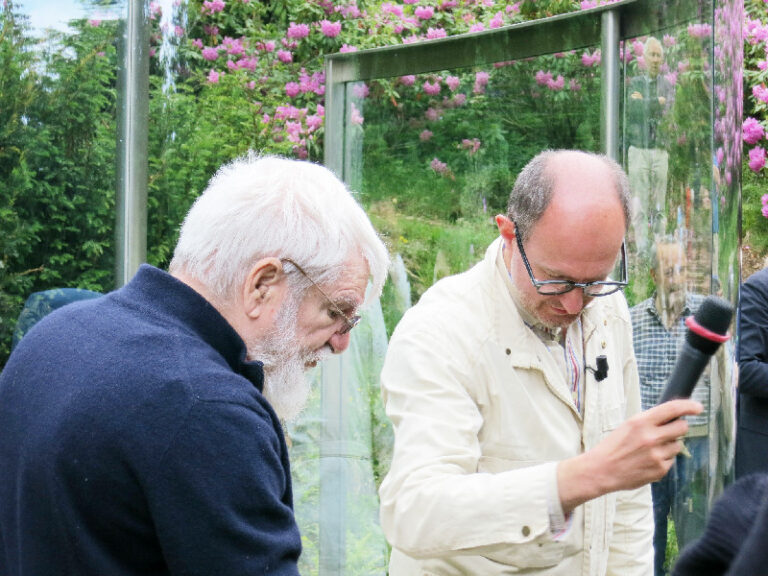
[176, 303]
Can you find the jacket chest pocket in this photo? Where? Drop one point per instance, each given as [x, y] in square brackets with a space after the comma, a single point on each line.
[612, 405]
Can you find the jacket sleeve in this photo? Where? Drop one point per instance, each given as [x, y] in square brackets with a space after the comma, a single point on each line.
[753, 339]
[631, 549]
[434, 502]
[221, 500]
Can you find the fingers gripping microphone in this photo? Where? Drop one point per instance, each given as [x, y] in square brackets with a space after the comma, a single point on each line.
[706, 331]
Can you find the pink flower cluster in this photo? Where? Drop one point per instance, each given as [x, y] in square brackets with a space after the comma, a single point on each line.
[764, 201]
[752, 131]
[756, 159]
[472, 145]
[439, 167]
[330, 29]
[210, 7]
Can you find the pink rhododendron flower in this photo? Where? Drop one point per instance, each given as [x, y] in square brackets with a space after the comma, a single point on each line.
[433, 33]
[760, 92]
[179, 31]
[211, 30]
[250, 85]
[197, 43]
[671, 78]
[297, 31]
[752, 131]
[669, 40]
[439, 167]
[557, 84]
[248, 63]
[459, 99]
[764, 211]
[360, 90]
[425, 135]
[588, 60]
[481, 78]
[543, 77]
[292, 89]
[212, 6]
[294, 131]
[213, 76]
[233, 47]
[330, 29]
[497, 21]
[210, 54]
[284, 56]
[586, 4]
[231, 65]
[573, 85]
[764, 199]
[448, 4]
[408, 80]
[347, 48]
[699, 30]
[452, 82]
[472, 145]
[269, 46]
[637, 47]
[394, 9]
[314, 121]
[476, 28]
[432, 114]
[355, 117]
[410, 1]
[94, 23]
[756, 159]
[424, 12]
[431, 88]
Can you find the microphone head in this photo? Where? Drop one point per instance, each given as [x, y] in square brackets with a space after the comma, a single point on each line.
[711, 322]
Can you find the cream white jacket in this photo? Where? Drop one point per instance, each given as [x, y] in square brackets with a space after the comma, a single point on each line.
[482, 415]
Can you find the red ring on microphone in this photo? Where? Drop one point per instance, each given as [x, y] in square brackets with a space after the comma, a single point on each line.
[698, 329]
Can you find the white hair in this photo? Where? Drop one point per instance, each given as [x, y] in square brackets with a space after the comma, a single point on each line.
[265, 206]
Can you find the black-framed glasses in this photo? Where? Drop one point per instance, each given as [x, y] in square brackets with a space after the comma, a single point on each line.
[592, 289]
[335, 312]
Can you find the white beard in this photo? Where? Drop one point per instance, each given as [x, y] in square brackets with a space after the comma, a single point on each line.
[286, 386]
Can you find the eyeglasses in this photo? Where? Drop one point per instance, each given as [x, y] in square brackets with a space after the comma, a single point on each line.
[335, 312]
[592, 289]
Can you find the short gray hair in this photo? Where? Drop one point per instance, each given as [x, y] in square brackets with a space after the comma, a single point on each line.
[535, 184]
[266, 206]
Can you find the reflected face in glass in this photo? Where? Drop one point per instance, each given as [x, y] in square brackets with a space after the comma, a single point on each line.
[654, 57]
[670, 275]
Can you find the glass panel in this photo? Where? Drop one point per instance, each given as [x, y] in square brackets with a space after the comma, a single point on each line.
[680, 185]
[435, 155]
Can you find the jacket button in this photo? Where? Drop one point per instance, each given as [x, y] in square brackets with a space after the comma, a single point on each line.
[603, 344]
[526, 531]
[508, 351]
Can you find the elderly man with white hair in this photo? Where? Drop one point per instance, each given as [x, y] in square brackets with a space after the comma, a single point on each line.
[140, 432]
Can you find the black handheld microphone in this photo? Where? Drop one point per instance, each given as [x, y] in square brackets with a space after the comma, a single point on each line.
[706, 331]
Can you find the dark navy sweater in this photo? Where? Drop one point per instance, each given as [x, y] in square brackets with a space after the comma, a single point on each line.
[134, 439]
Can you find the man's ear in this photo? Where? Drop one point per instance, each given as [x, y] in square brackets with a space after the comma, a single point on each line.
[506, 229]
[262, 286]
